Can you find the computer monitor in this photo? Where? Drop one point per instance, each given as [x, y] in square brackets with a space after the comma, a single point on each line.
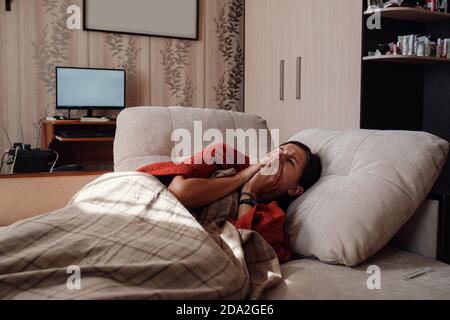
[90, 88]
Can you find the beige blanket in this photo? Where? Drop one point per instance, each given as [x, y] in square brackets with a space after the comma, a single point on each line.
[124, 236]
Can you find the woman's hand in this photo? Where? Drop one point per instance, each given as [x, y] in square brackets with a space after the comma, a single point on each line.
[249, 172]
[264, 183]
[271, 156]
[268, 165]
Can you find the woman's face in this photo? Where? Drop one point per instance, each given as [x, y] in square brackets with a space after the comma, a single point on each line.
[292, 160]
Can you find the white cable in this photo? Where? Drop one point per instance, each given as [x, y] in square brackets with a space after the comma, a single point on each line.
[53, 166]
[14, 163]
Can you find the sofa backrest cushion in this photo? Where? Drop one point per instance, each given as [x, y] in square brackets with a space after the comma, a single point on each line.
[143, 134]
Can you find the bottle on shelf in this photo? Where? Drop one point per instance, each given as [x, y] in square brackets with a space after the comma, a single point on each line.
[432, 5]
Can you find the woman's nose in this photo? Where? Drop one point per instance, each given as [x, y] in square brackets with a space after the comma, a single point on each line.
[282, 155]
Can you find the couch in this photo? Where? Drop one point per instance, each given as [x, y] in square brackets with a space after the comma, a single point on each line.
[144, 136]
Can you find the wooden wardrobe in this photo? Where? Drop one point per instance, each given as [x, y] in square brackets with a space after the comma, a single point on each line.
[303, 63]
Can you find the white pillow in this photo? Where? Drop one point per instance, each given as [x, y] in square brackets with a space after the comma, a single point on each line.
[372, 182]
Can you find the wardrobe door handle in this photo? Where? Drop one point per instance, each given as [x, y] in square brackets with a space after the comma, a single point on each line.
[282, 80]
[299, 78]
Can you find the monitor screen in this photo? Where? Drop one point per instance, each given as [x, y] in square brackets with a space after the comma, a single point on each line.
[90, 88]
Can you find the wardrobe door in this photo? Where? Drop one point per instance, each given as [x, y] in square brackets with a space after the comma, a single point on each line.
[317, 84]
[264, 83]
[332, 64]
[295, 30]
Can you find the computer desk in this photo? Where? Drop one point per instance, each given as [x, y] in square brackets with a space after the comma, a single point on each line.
[94, 153]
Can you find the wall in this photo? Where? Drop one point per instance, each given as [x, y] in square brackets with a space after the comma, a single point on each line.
[160, 71]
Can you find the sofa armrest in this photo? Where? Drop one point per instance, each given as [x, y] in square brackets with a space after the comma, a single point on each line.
[25, 196]
[420, 234]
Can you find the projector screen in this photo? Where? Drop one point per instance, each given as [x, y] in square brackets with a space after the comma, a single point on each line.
[164, 18]
[97, 88]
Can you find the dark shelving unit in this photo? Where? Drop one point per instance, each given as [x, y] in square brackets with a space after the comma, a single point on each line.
[406, 93]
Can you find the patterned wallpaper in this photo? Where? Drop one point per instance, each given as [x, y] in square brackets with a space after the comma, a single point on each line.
[228, 29]
[175, 62]
[160, 71]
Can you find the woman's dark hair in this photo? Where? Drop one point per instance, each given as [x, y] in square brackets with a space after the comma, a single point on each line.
[311, 173]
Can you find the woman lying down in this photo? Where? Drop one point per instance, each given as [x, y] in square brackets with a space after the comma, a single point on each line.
[265, 189]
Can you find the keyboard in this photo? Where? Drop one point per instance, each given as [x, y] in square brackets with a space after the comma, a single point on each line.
[91, 119]
[81, 133]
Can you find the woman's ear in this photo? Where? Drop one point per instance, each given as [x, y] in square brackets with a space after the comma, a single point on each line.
[297, 191]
